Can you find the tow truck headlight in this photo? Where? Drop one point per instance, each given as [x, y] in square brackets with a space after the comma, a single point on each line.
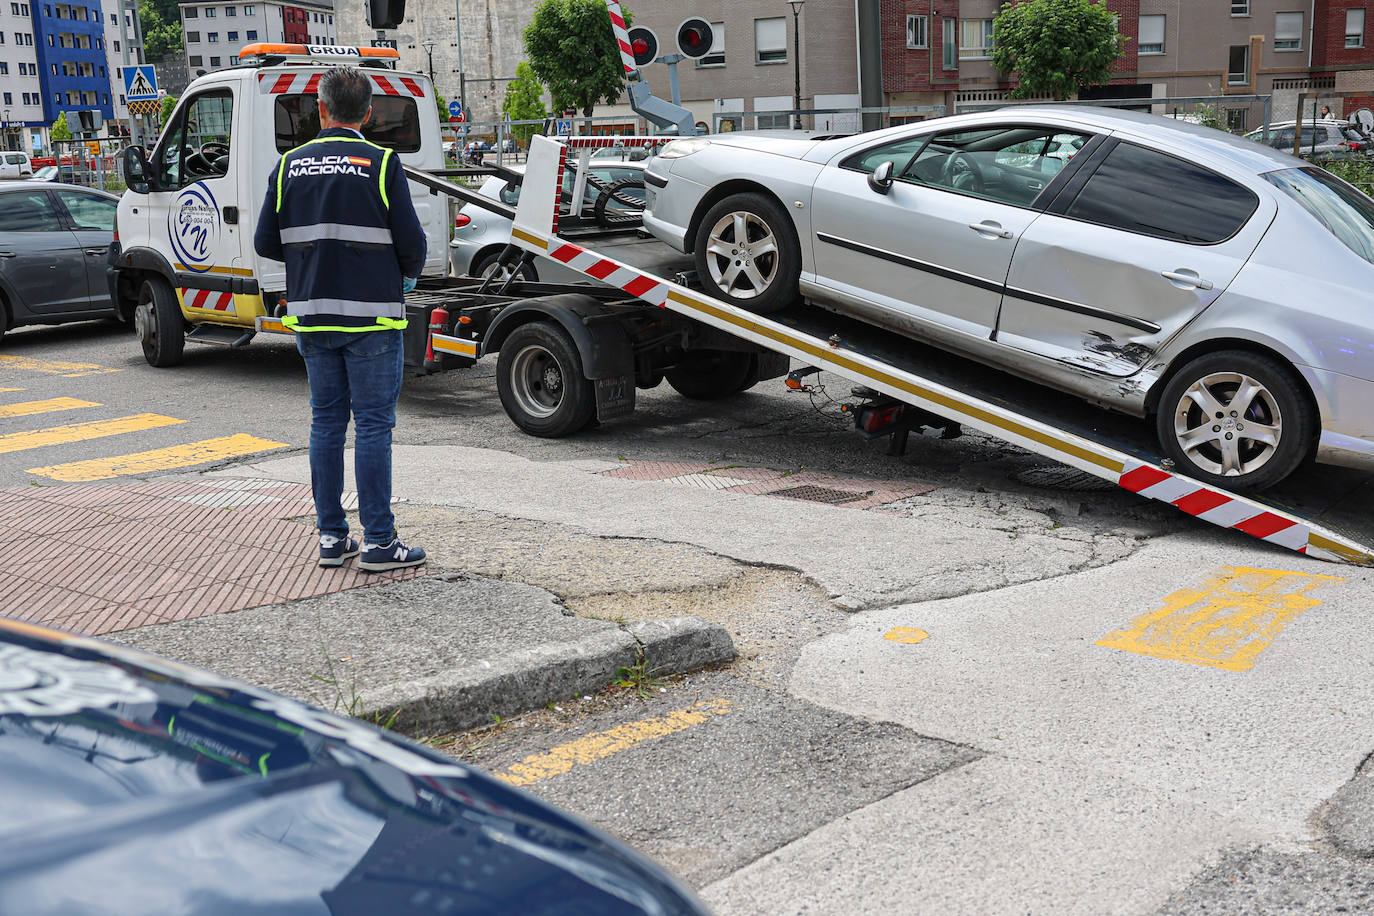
[685, 147]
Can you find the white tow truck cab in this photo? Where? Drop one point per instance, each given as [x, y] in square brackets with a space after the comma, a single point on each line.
[183, 265]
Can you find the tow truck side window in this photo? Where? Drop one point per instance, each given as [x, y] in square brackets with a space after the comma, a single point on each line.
[395, 122]
[196, 146]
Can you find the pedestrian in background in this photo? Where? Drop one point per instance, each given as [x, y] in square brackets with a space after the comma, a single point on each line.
[338, 213]
[1326, 114]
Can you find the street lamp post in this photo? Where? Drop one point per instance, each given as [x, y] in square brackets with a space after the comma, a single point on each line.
[796, 61]
[428, 45]
[5, 127]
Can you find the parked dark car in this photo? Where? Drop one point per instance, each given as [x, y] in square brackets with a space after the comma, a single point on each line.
[53, 243]
[130, 784]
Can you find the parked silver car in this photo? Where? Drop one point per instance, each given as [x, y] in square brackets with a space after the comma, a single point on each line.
[1164, 269]
[479, 236]
[1324, 139]
[53, 243]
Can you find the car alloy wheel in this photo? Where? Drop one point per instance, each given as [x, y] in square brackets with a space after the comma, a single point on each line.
[742, 255]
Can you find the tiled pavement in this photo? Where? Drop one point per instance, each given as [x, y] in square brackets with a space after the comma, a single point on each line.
[101, 558]
[850, 492]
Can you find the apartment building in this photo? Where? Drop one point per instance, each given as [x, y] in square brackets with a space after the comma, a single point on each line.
[21, 88]
[214, 33]
[69, 39]
[123, 48]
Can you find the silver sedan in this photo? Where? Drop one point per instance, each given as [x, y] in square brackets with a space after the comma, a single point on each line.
[1149, 265]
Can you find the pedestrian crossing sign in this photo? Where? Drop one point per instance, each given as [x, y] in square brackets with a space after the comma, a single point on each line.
[140, 82]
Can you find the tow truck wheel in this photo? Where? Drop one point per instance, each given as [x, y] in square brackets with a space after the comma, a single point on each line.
[157, 318]
[707, 375]
[747, 253]
[490, 264]
[1235, 420]
[539, 378]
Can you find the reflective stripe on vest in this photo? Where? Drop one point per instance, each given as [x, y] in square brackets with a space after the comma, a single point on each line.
[383, 324]
[343, 232]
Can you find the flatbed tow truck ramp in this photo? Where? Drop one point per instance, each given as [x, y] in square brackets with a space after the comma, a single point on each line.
[1324, 515]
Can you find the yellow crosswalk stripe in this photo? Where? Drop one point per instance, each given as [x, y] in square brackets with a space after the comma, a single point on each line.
[78, 432]
[180, 456]
[11, 389]
[52, 367]
[29, 408]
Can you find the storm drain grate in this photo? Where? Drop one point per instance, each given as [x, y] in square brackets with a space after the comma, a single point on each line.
[1057, 477]
[820, 494]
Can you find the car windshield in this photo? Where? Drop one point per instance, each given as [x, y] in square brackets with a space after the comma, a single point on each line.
[46, 171]
[1345, 212]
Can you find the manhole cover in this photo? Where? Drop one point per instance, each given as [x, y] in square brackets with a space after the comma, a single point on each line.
[820, 494]
[1061, 478]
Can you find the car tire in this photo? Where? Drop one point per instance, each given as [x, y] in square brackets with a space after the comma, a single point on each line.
[540, 381]
[708, 375]
[159, 324]
[608, 217]
[488, 263]
[769, 281]
[1251, 447]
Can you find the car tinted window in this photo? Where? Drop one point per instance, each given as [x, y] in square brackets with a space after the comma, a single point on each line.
[90, 211]
[14, 159]
[1345, 212]
[395, 122]
[1155, 194]
[28, 211]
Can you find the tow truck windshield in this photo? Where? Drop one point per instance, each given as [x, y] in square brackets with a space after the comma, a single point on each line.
[395, 122]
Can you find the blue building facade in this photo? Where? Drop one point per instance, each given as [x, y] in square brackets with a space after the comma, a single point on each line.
[69, 36]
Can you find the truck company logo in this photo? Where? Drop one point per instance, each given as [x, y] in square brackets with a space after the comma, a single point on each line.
[193, 226]
[328, 165]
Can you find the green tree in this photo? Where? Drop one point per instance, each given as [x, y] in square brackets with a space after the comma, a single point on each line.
[442, 104]
[1055, 47]
[524, 101]
[572, 50]
[169, 104]
[161, 29]
[59, 129]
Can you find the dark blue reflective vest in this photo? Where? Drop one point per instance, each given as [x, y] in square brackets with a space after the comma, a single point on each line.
[338, 213]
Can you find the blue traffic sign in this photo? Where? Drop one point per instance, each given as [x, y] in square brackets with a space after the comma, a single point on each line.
[455, 108]
[140, 82]
[564, 128]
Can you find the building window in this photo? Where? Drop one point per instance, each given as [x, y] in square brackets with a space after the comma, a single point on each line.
[1151, 35]
[193, 37]
[190, 12]
[231, 11]
[1235, 120]
[5, 69]
[1238, 71]
[770, 40]
[209, 12]
[1354, 28]
[232, 36]
[196, 60]
[9, 99]
[975, 38]
[712, 58]
[116, 45]
[1288, 31]
[248, 11]
[949, 32]
[214, 61]
[212, 37]
[916, 32]
[1240, 7]
[252, 34]
[14, 9]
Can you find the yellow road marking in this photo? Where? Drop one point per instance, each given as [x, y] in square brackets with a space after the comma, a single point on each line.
[11, 389]
[161, 459]
[53, 367]
[29, 408]
[77, 432]
[583, 751]
[910, 635]
[1226, 623]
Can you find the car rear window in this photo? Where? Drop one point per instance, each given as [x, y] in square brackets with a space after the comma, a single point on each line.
[1345, 212]
[1152, 193]
[395, 122]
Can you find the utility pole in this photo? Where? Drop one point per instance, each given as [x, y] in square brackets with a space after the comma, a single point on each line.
[462, 76]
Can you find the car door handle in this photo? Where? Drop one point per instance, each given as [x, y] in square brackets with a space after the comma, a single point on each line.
[1187, 277]
[9, 254]
[988, 227]
[97, 250]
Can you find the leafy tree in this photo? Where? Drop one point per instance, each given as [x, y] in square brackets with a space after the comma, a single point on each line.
[59, 129]
[169, 104]
[442, 104]
[524, 101]
[1055, 47]
[572, 50]
[161, 29]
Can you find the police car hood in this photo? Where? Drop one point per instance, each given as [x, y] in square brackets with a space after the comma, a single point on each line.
[132, 784]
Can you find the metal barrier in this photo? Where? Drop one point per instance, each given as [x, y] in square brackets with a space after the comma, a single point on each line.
[93, 163]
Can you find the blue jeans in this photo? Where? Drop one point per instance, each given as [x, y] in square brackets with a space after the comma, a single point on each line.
[357, 371]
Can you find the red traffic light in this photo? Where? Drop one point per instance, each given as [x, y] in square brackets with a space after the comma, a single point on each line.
[694, 37]
[643, 45]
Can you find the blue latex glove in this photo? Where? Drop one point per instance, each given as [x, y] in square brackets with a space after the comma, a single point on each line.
[408, 283]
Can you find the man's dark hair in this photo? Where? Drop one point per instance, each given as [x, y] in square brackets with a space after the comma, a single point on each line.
[346, 93]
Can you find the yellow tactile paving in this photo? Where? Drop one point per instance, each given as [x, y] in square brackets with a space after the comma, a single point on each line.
[162, 459]
[52, 367]
[48, 405]
[79, 432]
[1224, 624]
[563, 758]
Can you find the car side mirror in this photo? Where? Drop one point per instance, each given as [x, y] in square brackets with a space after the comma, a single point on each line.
[138, 175]
[880, 180]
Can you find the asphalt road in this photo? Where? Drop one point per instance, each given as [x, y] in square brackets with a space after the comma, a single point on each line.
[983, 697]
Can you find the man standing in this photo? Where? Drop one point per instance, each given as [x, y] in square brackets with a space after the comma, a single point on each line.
[338, 213]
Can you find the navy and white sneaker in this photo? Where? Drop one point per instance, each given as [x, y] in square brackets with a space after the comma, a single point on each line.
[381, 557]
[334, 550]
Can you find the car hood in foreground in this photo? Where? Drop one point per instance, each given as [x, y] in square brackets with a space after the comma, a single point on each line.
[132, 784]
